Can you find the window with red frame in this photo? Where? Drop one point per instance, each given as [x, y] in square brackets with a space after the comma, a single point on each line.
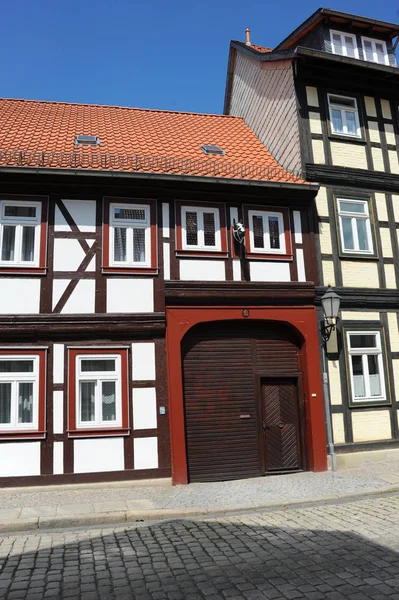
[129, 236]
[200, 229]
[98, 392]
[22, 393]
[23, 234]
[268, 233]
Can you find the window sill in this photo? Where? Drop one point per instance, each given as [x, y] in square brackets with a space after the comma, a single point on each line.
[16, 270]
[129, 271]
[369, 403]
[98, 432]
[201, 253]
[347, 138]
[355, 256]
[269, 256]
[22, 434]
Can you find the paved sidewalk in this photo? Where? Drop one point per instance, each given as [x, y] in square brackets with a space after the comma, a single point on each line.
[99, 504]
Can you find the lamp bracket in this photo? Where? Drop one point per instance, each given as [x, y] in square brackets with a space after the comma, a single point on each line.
[327, 327]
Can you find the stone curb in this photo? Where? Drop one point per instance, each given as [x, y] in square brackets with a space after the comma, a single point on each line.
[130, 517]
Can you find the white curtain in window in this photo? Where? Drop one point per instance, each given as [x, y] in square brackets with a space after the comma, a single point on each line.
[368, 48]
[380, 53]
[28, 244]
[25, 402]
[138, 245]
[350, 46]
[109, 401]
[358, 383]
[7, 250]
[87, 400]
[120, 244]
[191, 228]
[338, 125]
[375, 385]
[209, 229]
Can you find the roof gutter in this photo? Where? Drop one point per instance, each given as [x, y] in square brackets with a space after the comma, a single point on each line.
[363, 64]
[162, 177]
[302, 51]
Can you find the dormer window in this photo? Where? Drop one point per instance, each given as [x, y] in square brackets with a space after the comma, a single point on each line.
[375, 51]
[344, 44]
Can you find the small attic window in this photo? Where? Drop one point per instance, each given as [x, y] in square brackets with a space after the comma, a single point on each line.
[216, 150]
[87, 140]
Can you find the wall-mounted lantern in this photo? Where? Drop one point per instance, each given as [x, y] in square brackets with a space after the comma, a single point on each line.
[330, 303]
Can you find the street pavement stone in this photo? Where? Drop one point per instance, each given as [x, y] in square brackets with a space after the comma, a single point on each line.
[335, 551]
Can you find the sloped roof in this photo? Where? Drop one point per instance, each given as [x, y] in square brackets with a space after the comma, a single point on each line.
[42, 134]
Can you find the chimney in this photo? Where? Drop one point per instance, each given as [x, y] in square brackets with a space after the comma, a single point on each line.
[248, 36]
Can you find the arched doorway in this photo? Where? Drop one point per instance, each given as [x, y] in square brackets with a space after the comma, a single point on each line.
[243, 400]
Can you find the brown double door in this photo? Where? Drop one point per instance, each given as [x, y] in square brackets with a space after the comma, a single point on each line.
[242, 416]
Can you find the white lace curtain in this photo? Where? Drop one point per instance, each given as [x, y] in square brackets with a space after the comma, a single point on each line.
[25, 402]
[360, 388]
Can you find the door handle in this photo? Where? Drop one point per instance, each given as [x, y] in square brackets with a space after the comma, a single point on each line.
[279, 424]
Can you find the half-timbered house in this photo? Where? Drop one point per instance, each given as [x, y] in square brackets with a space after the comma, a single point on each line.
[157, 310]
[325, 100]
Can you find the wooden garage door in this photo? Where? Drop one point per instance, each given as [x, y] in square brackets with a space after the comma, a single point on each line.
[221, 362]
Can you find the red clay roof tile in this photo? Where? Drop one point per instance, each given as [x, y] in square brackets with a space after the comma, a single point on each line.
[261, 49]
[131, 139]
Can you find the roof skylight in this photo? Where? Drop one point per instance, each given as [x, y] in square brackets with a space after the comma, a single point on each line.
[87, 140]
[210, 149]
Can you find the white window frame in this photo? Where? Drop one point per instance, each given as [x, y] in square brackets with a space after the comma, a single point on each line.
[201, 233]
[19, 223]
[373, 43]
[15, 379]
[130, 224]
[353, 216]
[266, 233]
[343, 108]
[99, 377]
[364, 352]
[343, 43]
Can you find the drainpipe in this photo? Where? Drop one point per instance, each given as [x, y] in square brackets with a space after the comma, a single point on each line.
[327, 411]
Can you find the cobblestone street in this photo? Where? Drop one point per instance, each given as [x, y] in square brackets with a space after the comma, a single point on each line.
[346, 550]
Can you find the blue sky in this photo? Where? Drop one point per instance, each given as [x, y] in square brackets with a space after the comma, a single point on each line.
[149, 54]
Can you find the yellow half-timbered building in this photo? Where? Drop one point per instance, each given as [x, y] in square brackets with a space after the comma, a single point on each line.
[325, 101]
